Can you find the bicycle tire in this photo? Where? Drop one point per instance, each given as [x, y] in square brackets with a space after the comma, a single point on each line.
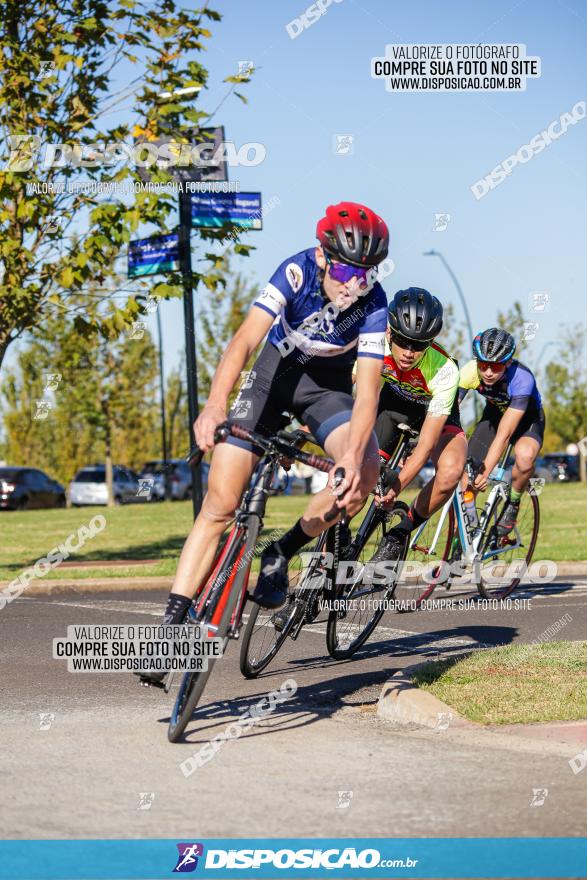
[193, 683]
[248, 666]
[251, 668]
[332, 636]
[419, 552]
[501, 591]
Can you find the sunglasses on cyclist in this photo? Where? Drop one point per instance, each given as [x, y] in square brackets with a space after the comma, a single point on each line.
[343, 272]
[411, 344]
[495, 365]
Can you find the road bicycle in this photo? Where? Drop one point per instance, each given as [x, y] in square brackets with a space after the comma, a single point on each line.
[359, 605]
[456, 541]
[318, 586]
[217, 608]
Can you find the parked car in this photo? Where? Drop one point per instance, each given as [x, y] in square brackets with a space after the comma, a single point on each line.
[425, 474]
[22, 488]
[545, 471]
[89, 486]
[564, 467]
[179, 478]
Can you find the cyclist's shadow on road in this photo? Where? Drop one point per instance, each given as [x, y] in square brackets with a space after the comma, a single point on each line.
[440, 643]
[317, 700]
[310, 703]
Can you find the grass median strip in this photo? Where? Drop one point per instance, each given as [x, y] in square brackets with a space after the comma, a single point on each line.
[155, 533]
[514, 684]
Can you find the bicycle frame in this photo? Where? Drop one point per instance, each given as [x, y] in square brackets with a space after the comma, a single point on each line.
[469, 537]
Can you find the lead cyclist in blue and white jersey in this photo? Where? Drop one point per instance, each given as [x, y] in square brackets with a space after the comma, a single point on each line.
[322, 310]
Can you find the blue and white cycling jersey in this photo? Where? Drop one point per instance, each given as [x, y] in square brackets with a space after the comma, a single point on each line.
[305, 319]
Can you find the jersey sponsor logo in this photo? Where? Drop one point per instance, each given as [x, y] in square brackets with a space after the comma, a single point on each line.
[408, 390]
[412, 380]
[295, 276]
[272, 298]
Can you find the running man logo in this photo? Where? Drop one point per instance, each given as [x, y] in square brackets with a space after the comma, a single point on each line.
[539, 795]
[187, 859]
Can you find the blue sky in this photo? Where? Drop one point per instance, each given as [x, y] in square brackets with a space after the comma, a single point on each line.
[414, 154]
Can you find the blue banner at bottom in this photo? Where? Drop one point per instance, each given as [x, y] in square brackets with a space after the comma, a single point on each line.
[496, 857]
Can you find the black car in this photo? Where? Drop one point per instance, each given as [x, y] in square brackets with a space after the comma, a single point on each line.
[22, 488]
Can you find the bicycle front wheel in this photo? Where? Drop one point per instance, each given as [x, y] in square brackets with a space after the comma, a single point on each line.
[505, 558]
[218, 614]
[359, 607]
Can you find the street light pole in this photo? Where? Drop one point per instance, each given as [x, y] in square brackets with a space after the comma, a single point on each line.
[433, 253]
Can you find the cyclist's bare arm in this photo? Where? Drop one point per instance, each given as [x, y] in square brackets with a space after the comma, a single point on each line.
[244, 342]
[507, 425]
[360, 428]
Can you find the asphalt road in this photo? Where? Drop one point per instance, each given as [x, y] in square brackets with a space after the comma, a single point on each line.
[98, 763]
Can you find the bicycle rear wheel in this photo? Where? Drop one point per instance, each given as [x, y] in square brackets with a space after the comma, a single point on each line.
[362, 604]
[503, 568]
[192, 684]
[430, 546]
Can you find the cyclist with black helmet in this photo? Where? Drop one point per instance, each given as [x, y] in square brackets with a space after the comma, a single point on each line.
[419, 387]
[513, 414]
[324, 303]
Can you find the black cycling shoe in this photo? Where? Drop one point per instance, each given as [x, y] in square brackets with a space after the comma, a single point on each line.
[273, 583]
[390, 547]
[152, 679]
[508, 519]
[281, 617]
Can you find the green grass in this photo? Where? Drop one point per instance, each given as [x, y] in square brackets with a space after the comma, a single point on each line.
[515, 684]
[157, 531]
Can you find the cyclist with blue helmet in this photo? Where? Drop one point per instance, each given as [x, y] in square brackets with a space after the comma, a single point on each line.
[513, 413]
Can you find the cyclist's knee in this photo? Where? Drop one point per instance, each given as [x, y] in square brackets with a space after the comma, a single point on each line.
[219, 507]
[525, 463]
[447, 476]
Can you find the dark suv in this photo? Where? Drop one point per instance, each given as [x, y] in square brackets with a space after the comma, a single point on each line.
[565, 467]
[22, 488]
[178, 476]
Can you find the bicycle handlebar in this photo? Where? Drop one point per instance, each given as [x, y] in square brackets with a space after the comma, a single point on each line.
[269, 444]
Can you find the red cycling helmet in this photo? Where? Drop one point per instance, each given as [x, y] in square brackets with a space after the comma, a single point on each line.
[353, 234]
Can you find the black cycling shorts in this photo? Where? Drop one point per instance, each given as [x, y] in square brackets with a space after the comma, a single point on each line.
[392, 410]
[532, 425]
[317, 394]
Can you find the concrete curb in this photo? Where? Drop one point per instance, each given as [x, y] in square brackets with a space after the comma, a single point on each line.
[44, 587]
[403, 702]
[571, 568]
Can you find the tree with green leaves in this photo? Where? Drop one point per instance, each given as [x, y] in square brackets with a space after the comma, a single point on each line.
[454, 336]
[67, 404]
[566, 388]
[60, 66]
[176, 408]
[514, 322]
[220, 318]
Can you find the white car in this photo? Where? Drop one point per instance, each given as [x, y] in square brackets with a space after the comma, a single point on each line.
[89, 486]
